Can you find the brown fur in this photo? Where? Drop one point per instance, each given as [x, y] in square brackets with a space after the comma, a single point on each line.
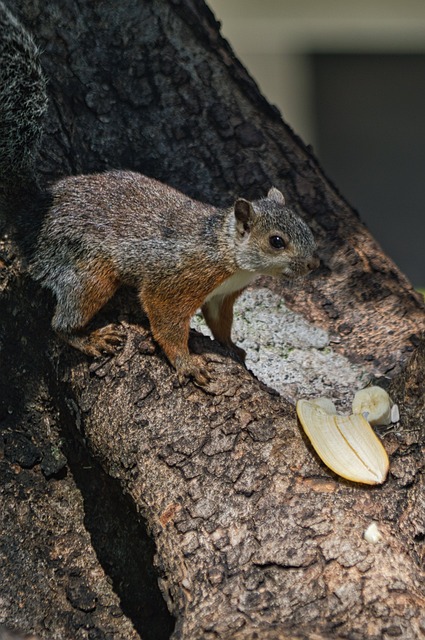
[99, 284]
[102, 282]
[171, 306]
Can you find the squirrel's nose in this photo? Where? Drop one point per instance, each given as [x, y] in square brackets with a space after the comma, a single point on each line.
[314, 262]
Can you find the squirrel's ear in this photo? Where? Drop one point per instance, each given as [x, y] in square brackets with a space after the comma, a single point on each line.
[244, 214]
[276, 195]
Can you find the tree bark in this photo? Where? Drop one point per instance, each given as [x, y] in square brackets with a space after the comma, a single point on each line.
[254, 537]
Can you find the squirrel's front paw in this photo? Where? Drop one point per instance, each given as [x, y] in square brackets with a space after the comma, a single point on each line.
[193, 367]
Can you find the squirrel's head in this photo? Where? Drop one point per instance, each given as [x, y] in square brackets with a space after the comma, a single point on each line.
[271, 239]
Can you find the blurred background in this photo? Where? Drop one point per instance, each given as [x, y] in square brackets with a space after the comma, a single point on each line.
[349, 78]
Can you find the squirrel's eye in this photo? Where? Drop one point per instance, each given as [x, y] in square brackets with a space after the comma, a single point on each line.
[277, 242]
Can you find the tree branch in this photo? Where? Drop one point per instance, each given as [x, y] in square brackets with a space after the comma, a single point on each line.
[254, 537]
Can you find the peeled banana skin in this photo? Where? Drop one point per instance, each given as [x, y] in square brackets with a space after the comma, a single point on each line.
[346, 444]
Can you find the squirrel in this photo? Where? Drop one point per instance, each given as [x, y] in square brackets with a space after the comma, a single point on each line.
[101, 231]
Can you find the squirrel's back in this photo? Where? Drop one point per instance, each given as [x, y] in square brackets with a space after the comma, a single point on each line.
[124, 218]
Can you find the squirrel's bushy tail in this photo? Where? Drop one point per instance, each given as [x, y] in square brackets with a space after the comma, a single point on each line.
[23, 103]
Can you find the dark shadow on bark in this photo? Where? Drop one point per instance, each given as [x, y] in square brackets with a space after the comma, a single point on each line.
[118, 533]
[24, 339]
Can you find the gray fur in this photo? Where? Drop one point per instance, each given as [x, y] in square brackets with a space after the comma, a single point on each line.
[23, 100]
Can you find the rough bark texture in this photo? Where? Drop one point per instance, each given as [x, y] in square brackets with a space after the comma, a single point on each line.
[254, 537]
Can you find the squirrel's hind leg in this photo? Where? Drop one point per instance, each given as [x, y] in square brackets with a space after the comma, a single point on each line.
[77, 305]
[99, 342]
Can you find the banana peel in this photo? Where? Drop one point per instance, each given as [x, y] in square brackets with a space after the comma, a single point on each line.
[325, 403]
[346, 444]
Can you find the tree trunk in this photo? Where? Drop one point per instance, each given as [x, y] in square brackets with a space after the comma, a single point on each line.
[254, 537]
